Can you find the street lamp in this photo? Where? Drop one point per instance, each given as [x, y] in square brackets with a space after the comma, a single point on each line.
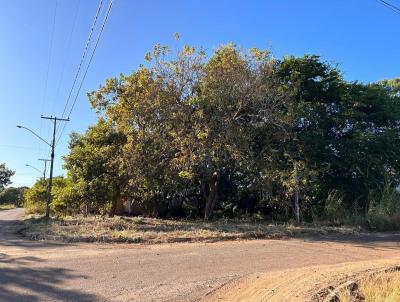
[37, 135]
[27, 165]
[52, 147]
[51, 171]
[44, 172]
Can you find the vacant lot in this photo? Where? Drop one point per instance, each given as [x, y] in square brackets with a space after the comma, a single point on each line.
[149, 230]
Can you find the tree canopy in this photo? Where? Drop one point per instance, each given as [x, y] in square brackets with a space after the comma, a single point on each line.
[5, 176]
[236, 132]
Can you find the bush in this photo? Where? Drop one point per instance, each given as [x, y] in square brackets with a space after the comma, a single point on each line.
[35, 198]
[334, 207]
[384, 211]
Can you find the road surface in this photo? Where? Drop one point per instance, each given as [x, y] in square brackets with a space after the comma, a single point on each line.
[49, 271]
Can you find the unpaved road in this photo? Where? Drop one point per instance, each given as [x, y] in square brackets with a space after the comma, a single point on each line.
[43, 271]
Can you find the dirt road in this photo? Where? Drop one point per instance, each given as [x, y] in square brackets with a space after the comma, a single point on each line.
[43, 271]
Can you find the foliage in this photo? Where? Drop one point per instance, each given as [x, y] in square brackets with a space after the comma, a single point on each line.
[12, 195]
[384, 211]
[35, 198]
[93, 176]
[233, 134]
[5, 175]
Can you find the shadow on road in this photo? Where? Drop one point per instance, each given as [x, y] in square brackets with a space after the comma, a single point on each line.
[10, 236]
[21, 281]
[366, 240]
[26, 278]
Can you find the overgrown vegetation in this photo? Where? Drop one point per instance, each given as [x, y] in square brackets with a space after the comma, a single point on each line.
[382, 287]
[10, 197]
[6, 206]
[236, 134]
[155, 230]
[13, 196]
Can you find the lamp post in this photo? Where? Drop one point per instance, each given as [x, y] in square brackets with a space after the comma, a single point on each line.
[52, 147]
[51, 172]
[28, 165]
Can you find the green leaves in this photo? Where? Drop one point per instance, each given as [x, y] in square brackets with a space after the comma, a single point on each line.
[5, 176]
[190, 131]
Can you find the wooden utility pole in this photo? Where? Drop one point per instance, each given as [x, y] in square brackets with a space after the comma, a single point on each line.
[52, 146]
[45, 166]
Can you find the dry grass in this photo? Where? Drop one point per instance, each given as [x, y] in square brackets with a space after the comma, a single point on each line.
[382, 287]
[6, 206]
[150, 230]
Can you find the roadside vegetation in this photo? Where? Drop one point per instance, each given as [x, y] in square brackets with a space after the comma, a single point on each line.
[236, 134]
[381, 287]
[10, 197]
[155, 230]
[6, 206]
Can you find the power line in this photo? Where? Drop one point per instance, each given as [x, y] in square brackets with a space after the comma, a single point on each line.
[91, 57]
[48, 65]
[85, 50]
[390, 6]
[50, 52]
[68, 49]
[88, 65]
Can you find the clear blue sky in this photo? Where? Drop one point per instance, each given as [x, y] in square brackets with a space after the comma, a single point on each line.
[362, 36]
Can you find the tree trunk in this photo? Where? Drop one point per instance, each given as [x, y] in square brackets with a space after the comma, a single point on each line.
[116, 206]
[297, 191]
[212, 196]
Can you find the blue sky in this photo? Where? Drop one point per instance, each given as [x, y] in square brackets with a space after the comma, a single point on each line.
[362, 36]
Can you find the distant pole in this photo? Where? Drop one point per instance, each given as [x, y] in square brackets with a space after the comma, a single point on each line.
[45, 166]
[53, 142]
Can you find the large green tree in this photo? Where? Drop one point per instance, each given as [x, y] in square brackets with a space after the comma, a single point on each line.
[346, 134]
[188, 120]
[93, 168]
[235, 131]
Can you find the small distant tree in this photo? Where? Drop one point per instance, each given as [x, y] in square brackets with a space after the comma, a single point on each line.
[5, 176]
[35, 197]
[13, 196]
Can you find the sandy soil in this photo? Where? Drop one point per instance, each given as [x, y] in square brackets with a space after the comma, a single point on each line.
[259, 270]
[296, 285]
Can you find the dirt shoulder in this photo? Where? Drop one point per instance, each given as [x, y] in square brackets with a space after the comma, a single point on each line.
[296, 285]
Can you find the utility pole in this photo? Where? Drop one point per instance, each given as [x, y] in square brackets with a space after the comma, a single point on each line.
[53, 142]
[45, 166]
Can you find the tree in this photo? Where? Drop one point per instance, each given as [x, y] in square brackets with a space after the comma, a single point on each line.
[35, 198]
[191, 121]
[237, 131]
[5, 175]
[345, 133]
[92, 166]
[13, 196]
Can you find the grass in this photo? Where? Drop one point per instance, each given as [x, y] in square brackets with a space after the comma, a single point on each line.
[151, 230]
[381, 287]
[6, 207]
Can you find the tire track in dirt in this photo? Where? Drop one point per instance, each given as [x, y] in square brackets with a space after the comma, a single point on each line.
[296, 285]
